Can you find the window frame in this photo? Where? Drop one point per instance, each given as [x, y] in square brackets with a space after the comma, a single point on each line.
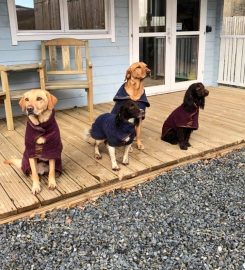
[31, 35]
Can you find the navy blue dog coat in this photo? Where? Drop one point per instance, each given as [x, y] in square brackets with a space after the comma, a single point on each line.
[122, 95]
[105, 128]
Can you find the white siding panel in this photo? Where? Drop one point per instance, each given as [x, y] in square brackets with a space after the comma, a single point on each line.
[214, 19]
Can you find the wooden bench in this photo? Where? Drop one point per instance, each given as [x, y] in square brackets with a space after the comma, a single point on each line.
[6, 94]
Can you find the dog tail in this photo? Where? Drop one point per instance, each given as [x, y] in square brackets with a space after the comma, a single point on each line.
[86, 135]
[15, 161]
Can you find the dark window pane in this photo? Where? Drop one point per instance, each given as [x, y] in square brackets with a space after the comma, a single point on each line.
[152, 52]
[152, 16]
[38, 14]
[186, 58]
[86, 14]
[188, 15]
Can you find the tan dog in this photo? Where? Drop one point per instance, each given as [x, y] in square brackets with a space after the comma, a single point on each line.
[42, 138]
[133, 89]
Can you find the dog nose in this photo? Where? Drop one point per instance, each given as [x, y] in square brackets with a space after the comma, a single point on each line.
[206, 92]
[148, 71]
[29, 110]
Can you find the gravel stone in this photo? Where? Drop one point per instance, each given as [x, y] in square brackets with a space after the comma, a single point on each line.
[189, 218]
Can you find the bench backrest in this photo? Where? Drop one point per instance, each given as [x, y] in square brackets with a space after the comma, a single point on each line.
[65, 56]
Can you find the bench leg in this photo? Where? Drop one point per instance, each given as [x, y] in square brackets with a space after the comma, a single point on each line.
[90, 104]
[42, 78]
[7, 101]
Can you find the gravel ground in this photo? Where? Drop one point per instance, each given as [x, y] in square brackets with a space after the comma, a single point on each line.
[192, 217]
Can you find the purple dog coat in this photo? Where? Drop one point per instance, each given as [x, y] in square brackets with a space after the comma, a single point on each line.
[181, 118]
[122, 95]
[105, 128]
[51, 149]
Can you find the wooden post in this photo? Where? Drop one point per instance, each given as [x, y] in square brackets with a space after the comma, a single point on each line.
[7, 101]
[90, 94]
[42, 78]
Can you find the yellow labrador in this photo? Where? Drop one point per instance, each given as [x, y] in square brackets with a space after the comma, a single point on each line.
[43, 145]
[133, 89]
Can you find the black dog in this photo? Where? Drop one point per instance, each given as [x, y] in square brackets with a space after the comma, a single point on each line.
[117, 130]
[182, 121]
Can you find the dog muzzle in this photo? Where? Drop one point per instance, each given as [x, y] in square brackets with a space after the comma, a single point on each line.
[30, 111]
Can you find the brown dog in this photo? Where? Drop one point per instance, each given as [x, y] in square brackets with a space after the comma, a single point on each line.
[133, 89]
[179, 125]
[42, 139]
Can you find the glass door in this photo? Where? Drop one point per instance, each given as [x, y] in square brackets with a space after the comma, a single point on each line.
[188, 39]
[168, 35]
[150, 37]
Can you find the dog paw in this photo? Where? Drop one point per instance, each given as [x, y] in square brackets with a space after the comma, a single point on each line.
[188, 144]
[41, 140]
[116, 168]
[36, 189]
[183, 147]
[140, 146]
[125, 161]
[51, 184]
[97, 156]
[131, 149]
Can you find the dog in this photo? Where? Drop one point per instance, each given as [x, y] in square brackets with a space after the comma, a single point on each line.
[117, 130]
[133, 89]
[182, 121]
[43, 144]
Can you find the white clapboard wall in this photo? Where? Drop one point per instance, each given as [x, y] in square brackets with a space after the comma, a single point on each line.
[232, 52]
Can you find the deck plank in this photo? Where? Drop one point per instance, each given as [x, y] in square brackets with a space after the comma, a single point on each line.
[18, 192]
[7, 208]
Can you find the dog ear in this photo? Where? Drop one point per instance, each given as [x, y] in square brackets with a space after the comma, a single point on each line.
[188, 99]
[128, 74]
[22, 103]
[52, 100]
[120, 117]
[201, 102]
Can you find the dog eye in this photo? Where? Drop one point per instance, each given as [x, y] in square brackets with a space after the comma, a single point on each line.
[39, 98]
[26, 99]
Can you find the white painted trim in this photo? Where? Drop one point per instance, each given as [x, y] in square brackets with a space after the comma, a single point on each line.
[188, 33]
[172, 64]
[130, 30]
[232, 83]
[135, 31]
[153, 34]
[107, 33]
[13, 21]
[202, 40]
[169, 43]
[111, 23]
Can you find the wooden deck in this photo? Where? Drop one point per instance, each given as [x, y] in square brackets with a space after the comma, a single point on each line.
[221, 125]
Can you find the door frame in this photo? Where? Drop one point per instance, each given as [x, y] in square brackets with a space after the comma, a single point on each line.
[171, 34]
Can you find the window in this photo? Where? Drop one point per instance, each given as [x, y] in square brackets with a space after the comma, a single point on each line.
[46, 19]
